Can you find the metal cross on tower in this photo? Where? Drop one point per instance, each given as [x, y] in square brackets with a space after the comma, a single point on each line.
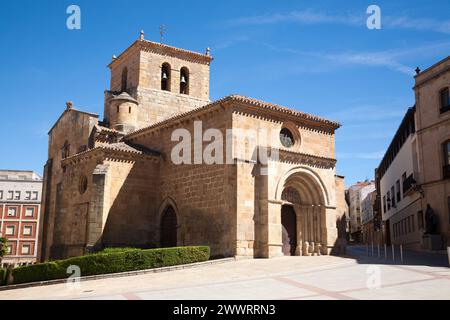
[162, 30]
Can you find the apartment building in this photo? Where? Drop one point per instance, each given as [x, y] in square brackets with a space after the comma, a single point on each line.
[20, 204]
[413, 179]
[356, 193]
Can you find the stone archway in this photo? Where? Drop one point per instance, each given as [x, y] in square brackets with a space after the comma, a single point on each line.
[305, 193]
[169, 228]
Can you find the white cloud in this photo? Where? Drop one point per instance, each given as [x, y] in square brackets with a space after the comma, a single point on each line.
[311, 17]
[308, 16]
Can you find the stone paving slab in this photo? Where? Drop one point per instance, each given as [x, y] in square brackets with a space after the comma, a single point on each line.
[291, 278]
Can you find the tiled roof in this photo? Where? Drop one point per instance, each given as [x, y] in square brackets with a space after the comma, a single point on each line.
[106, 129]
[245, 100]
[120, 148]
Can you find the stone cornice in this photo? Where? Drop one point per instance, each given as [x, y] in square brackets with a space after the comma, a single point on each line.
[163, 49]
[302, 158]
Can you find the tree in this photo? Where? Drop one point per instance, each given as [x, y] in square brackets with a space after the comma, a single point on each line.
[3, 247]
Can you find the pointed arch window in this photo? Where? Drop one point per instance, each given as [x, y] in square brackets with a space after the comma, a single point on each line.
[165, 77]
[124, 85]
[184, 80]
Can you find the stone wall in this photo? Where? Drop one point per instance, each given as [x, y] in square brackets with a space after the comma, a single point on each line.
[74, 127]
[203, 195]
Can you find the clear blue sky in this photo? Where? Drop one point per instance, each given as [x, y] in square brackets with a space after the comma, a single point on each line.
[315, 56]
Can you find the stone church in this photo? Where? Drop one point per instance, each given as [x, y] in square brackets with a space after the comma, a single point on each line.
[113, 182]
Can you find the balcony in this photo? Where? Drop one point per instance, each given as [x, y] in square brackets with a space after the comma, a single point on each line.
[446, 171]
[408, 185]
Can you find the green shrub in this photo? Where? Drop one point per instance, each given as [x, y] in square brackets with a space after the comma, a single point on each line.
[112, 261]
[115, 250]
[3, 273]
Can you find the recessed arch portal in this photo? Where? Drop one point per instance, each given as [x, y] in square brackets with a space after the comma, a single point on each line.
[301, 192]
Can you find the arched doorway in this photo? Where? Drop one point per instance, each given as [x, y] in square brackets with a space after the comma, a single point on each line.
[303, 192]
[169, 228]
[289, 230]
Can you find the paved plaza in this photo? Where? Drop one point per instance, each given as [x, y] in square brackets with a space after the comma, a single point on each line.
[326, 277]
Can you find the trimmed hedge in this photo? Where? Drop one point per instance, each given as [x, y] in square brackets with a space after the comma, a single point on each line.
[115, 250]
[112, 261]
[3, 273]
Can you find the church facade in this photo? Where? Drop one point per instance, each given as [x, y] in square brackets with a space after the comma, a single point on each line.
[114, 182]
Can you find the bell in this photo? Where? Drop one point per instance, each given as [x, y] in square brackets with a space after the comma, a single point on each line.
[183, 79]
[164, 76]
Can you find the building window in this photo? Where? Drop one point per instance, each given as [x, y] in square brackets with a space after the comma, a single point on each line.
[397, 186]
[28, 195]
[10, 195]
[184, 80]
[35, 195]
[403, 183]
[10, 230]
[393, 197]
[124, 86]
[165, 77]
[446, 149]
[1, 194]
[27, 230]
[445, 100]
[17, 195]
[287, 138]
[388, 200]
[82, 184]
[12, 211]
[26, 249]
[9, 249]
[29, 212]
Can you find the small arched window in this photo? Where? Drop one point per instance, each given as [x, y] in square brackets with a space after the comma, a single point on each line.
[124, 80]
[444, 95]
[165, 77]
[184, 80]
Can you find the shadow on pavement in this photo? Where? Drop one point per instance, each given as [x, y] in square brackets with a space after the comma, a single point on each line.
[410, 258]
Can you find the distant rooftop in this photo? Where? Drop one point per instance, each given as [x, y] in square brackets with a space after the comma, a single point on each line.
[26, 175]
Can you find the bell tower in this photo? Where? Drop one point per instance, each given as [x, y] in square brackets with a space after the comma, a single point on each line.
[161, 79]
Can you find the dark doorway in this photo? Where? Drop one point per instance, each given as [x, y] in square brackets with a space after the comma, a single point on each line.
[289, 230]
[169, 228]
